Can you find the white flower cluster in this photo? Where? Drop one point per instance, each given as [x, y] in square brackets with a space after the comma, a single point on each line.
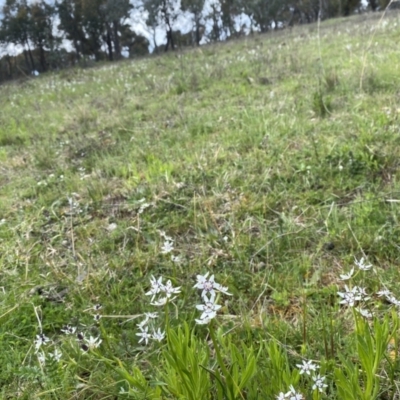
[389, 297]
[42, 340]
[167, 293]
[355, 295]
[85, 343]
[144, 333]
[42, 357]
[307, 367]
[360, 265]
[292, 394]
[168, 247]
[209, 287]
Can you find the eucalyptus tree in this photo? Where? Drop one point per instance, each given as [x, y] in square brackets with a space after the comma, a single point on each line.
[231, 10]
[115, 14]
[90, 24]
[71, 23]
[196, 9]
[41, 30]
[265, 14]
[163, 13]
[15, 28]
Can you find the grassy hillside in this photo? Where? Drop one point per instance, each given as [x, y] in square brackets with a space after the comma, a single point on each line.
[271, 162]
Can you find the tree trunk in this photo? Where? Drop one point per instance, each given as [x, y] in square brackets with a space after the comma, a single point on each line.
[117, 47]
[31, 57]
[42, 58]
[373, 4]
[9, 64]
[109, 44]
[28, 66]
[170, 40]
[196, 37]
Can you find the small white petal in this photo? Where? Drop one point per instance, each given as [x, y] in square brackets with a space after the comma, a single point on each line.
[347, 276]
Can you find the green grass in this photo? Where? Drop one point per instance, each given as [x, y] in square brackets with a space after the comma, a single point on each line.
[271, 161]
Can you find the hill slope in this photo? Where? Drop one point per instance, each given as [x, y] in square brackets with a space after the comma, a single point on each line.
[270, 162]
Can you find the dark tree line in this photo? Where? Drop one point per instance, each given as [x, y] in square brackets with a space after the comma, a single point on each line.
[101, 29]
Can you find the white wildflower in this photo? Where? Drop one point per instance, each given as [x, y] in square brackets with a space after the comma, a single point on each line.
[165, 236]
[158, 335]
[385, 292]
[209, 308]
[349, 296]
[41, 357]
[56, 356]
[68, 330]
[176, 259]
[393, 300]
[361, 265]
[365, 313]
[209, 286]
[362, 293]
[169, 290]
[348, 276]
[93, 343]
[156, 287]
[203, 321]
[40, 340]
[167, 247]
[144, 335]
[292, 394]
[147, 317]
[307, 367]
[319, 383]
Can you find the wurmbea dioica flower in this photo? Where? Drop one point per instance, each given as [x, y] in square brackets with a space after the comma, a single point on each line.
[158, 335]
[350, 296]
[147, 318]
[389, 297]
[385, 292]
[167, 247]
[319, 383]
[362, 293]
[156, 285]
[209, 288]
[157, 288]
[307, 367]
[348, 276]
[167, 289]
[144, 334]
[92, 343]
[209, 308]
[56, 356]
[361, 266]
[365, 313]
[40, 340]
[292, 394]
[68, 330]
